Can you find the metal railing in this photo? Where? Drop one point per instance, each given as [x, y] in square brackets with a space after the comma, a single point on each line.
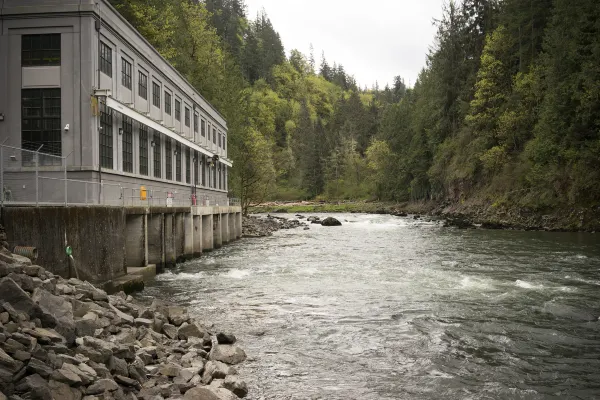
[29, 177]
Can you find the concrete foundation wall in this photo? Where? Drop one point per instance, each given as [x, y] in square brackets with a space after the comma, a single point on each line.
[106, 241]
[96, 235]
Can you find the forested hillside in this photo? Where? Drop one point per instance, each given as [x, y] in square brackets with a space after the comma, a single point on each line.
[506, 110]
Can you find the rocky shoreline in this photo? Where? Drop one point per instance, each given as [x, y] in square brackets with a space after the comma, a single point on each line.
[261, 226]
[68, 340]
[463, 215]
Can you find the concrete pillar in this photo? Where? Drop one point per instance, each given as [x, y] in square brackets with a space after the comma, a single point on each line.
[224, 228]
[156, 241]
[146, 256]
[179, 236]
[135, 248]
[217, 239]
[232, 230]
[169, 235]
[197, 235]
[239, 225]
[207, 232]
[188, 237]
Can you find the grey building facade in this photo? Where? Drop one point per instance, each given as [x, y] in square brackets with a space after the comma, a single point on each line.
[79, 82]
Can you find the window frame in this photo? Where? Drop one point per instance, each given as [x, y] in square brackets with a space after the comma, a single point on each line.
[126, 73]
[168, 159]
[178, 110]
[156, 94]
[41, 123]
[178, 161]
[47, 57]
[187, 117]
[203, 127]
[106, 59]
[143, 85]
[157, 155]
[127, 126]
[106, 133]
[188, 165]
[143, 148]
[168, 102]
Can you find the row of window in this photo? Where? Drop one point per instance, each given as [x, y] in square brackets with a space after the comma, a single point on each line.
[106, 153]
[126, 81]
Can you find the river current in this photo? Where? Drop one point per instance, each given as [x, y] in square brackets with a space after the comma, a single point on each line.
[394, 308]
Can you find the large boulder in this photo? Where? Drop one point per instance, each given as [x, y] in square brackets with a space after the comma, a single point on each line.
[11, 293]
[200, 393]
[330, 221]
[236, 385]
[229, 354]
[60, 309]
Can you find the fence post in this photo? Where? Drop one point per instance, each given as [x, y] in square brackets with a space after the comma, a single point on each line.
[37, 179]
[86, 199]
[66, 183]
[2, 174]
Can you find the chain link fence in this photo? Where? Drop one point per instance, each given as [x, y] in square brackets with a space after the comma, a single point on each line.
[29, 177]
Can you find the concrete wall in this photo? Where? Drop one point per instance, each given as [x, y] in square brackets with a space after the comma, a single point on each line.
[96, 235]
[106, 241]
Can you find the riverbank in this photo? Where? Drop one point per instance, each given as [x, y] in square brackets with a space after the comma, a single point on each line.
[468, 214]
[254, 226]
[68, 340]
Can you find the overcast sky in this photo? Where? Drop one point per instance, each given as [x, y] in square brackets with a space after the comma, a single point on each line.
[374, 40]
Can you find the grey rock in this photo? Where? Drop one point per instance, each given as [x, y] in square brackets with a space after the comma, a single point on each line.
[185, 375]
[229, 354]
[36, 366]
[330, 221]
[170, 369]
[124, 318]
[102, 386]
[224, 338]
[186, 331]
[125, 381]
[118, 366]
[236, 385]
[22, 355]
[36, 385]
[170, 331]
[62, 391]
[201, 393]
[66, 376]
[85, 327]
[26, 340]
[177, 315]
[32, 270]
[216, 370]
[144, 322]
[137, 374]
[86, 377]
[11, 293]
[60, 309]
[45, 336]
[9, 363]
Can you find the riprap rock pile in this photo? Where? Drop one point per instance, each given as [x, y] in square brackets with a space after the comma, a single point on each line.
[68, 340]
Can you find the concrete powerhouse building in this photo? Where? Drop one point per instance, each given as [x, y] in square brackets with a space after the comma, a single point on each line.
[77, 80]
[120, 129]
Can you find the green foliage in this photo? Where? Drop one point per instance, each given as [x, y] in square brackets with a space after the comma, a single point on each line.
[506, 109]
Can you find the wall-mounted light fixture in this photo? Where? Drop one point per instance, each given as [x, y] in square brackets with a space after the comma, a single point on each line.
[120, 131]
[175, 152]
[1, 117]
[13, 158]
[152, 143]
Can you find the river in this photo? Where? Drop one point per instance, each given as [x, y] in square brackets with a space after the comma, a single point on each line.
[394, 308]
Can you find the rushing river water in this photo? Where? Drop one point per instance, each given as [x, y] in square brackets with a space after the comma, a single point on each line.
[393, 308]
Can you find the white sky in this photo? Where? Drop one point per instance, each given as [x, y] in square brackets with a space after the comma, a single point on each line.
[374, 40]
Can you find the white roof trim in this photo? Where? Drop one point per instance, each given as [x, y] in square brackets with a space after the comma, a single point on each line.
[141, 118]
